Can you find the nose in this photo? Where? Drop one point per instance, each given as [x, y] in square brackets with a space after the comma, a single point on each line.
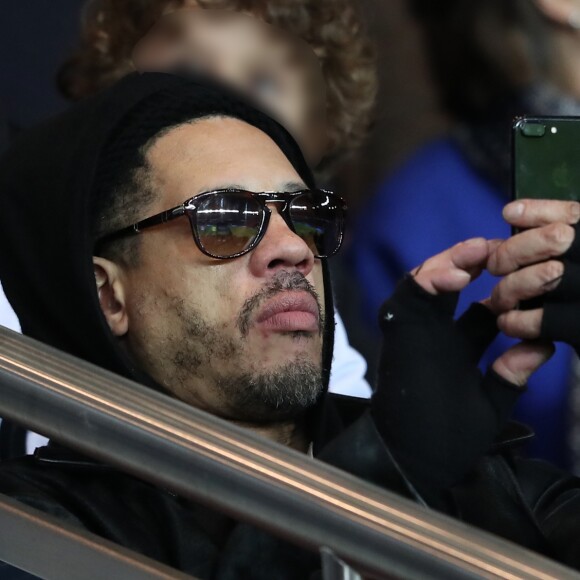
[280, 249]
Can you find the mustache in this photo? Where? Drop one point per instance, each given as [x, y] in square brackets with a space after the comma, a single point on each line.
[281, 282]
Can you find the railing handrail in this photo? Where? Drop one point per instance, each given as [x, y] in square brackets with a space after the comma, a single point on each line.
[178, 447]
[50, 548]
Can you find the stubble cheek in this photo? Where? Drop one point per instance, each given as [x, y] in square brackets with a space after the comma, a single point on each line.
[193, 354]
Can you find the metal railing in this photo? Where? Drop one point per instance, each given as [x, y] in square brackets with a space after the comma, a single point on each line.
[201, 457]
[45, 546]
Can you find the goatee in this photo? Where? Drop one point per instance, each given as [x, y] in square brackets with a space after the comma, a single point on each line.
[285, 393]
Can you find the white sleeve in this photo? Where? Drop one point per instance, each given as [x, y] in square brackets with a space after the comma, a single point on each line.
[7, 315]
[347, 376]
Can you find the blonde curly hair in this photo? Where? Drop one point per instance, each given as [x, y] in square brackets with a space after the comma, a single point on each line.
[110, 29]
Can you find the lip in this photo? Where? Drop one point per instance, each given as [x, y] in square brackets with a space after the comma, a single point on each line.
[290, 311]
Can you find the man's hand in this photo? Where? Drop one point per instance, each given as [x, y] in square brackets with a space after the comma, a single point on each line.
[531, 265]
[528, 260]
[455, 268]
[429, 380]
[435, 411]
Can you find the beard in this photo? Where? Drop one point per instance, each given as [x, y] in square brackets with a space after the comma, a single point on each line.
[207, 356]
[282, 394]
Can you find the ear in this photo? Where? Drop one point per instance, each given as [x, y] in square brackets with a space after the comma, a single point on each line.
[111, 295]
[565, 12]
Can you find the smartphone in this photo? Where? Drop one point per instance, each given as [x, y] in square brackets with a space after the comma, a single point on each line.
[546, 158]
[545, 163]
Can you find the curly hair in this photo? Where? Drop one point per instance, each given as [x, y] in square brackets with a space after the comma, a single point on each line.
[333, 29]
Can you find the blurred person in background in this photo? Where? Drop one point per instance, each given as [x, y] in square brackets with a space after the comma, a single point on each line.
[491, 60]
[112, 28]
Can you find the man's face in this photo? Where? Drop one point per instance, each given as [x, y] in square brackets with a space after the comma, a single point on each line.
[279, 71]
[241, 338]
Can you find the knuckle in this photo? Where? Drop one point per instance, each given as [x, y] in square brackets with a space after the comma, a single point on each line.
[507, 322]
[551, 271]
[559, 234]
[503, 260]
[574, 211]
[511, 318]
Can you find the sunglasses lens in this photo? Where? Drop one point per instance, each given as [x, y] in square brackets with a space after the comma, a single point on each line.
[228, 224]
[318, 218]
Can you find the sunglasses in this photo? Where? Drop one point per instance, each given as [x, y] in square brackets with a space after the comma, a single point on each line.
[229, 223]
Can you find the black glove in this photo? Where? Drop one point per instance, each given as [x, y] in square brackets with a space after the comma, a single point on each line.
[435, 411]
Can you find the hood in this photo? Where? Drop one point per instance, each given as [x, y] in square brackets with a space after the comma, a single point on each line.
[48, 188]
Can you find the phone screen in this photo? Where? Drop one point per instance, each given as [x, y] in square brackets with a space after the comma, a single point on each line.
[546, 158]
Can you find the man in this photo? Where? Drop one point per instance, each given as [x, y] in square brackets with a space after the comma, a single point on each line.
[127, 251]
[259, 317]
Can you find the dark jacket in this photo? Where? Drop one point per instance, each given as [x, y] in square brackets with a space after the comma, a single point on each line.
[527, 502]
